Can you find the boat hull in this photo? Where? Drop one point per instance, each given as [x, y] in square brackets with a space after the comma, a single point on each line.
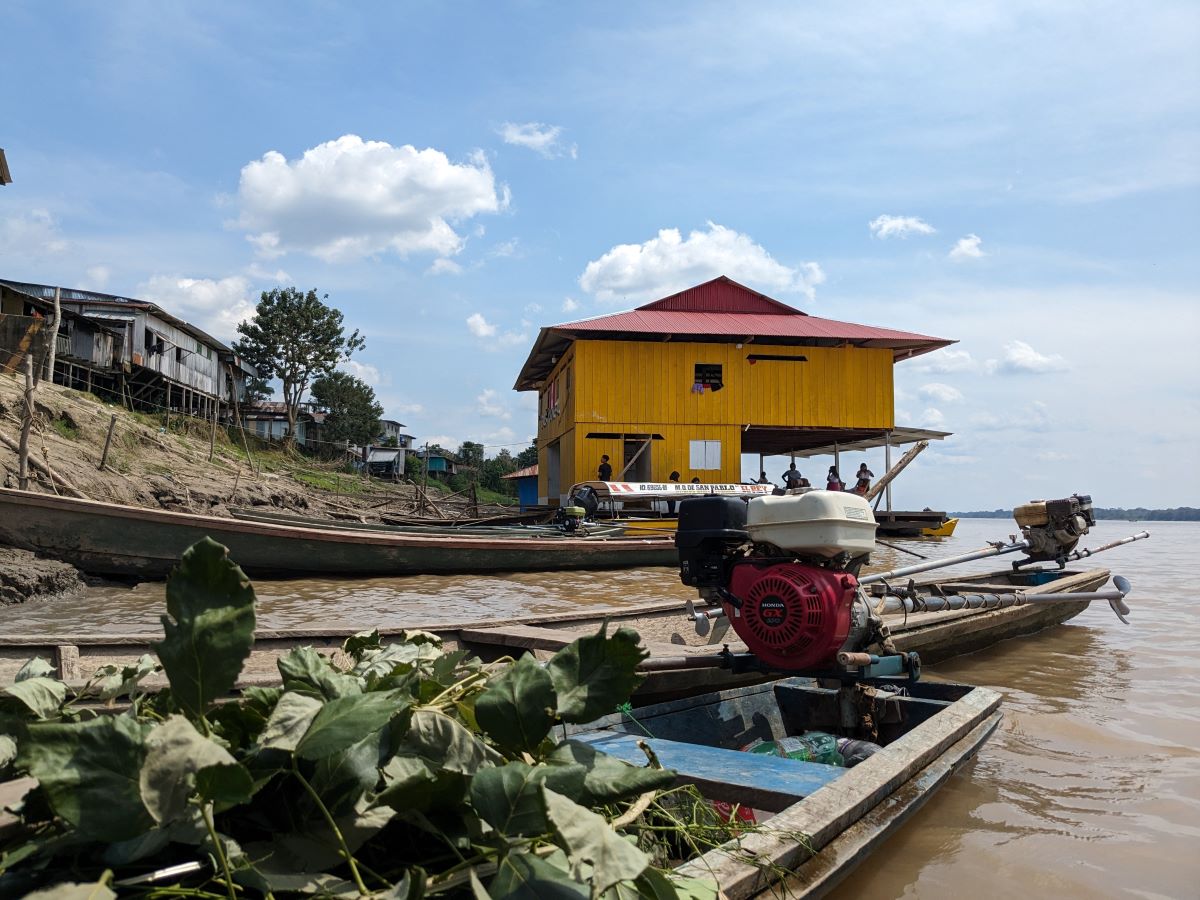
[109, 539]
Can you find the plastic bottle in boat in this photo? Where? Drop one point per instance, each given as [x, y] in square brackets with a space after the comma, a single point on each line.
[812, 746]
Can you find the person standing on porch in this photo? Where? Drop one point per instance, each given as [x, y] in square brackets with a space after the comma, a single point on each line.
[864, 476]
[604, 473]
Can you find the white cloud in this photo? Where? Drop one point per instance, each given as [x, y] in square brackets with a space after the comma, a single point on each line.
[1019, 357]
[1052, 456]
[488, 404]
[1035, 416]
[570, 304]
[945, 361]
[444, 266]
[351, 198]
[968, 248]
[931, 418]
[480, 327]
[97, 278]
[533, 308]
[214, 306]
[940, 393]
[34, 233]
[542, 139]
[363, 372]
[668, 263]
[505, 249]
[886, 226]
[402, 408]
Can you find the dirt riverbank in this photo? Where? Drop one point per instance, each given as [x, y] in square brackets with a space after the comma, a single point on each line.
[162, 463]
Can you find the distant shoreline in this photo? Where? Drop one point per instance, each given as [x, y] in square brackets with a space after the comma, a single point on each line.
[1137, 514]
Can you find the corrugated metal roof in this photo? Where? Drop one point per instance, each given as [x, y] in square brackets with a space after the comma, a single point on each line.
[721, 309]
[528, 471]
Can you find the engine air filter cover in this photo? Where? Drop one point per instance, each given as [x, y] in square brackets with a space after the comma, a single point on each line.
[792, 616]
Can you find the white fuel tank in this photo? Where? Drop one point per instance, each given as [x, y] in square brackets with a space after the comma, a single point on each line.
[820, 523]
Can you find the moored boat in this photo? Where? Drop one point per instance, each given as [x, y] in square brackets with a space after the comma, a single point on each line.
[812, 822]
[110, 539]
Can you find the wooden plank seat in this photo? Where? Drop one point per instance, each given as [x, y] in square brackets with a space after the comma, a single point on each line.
[751, 779]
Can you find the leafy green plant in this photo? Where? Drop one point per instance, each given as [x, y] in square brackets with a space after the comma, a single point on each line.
[409, 772]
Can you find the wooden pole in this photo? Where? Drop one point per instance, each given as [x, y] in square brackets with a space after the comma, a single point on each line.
[168, 428]
[425, 478]
[236, 478]
[112, 423]
[895, 470]
[26, 425]
[52, 342]
[212, 433]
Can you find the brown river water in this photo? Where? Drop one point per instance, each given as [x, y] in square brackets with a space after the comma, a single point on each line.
[1090, 788]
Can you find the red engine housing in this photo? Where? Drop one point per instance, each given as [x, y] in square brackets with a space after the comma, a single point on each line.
[792, 616]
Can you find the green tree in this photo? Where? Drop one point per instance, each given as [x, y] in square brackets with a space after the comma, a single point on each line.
[471, 454]
[295, 337]
[495, 469]
[353, 413]
[527, 457]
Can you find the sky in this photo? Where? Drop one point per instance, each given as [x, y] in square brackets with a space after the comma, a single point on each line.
[1021, 177]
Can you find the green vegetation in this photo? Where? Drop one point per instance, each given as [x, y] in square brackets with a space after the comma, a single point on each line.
[353, 412]
[294, 337]
[408, 772]
[66, 427]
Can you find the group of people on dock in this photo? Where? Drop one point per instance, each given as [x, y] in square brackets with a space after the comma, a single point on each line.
[792, 479]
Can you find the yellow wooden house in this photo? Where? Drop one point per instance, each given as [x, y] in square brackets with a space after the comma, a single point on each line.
[693, 381]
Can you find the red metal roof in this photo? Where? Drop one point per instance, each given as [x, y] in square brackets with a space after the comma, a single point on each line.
[720, 308]
[523, 473]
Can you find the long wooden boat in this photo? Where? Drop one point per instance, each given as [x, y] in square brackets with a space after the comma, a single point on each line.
[110, 539]
[502, 529]
[663, 625]
[812, 818]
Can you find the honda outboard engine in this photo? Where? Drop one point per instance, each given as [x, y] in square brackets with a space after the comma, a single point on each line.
[586, 499]
[1054, 527]
[784, 570]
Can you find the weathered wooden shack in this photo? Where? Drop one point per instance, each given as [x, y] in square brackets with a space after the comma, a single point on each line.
[155, 360]
[691, 382]
[87, 353]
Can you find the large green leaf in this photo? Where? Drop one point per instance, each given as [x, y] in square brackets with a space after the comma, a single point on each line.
[212, 604]
[523, 876]
[73, 890]
[593, 675]
[39, 695]
[447, 743]
[90, 771]
[606, 778]
[410, 783]
[517, 709]
[509, 798]
[34, 668]
[347, 720]
[289, 720]
[181, 762]
[306, 671]
[342, 778]
[116, 681]
[588, 838]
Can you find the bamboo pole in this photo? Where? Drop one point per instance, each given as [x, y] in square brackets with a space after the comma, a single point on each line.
[26, 425]
[212, 431]
[107, 441]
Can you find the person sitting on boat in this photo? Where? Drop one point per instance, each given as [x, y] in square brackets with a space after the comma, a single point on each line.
[696, 479]
[864, 476]
[763, 479]
[604, 473]
[792, 477]
[833, 481]
[674, 479]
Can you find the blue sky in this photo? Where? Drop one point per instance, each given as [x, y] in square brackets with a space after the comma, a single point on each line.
[1022, 177]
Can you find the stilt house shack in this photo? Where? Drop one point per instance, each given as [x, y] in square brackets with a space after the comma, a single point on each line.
[157, 360]
[691, 382]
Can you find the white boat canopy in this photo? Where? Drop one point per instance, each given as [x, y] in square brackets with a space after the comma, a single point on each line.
[668, 490]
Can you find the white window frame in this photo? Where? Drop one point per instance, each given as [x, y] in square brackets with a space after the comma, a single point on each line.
[704, 455]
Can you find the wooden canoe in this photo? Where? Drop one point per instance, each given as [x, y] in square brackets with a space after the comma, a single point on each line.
[109, 539]
[665, 630]
[816, 820]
